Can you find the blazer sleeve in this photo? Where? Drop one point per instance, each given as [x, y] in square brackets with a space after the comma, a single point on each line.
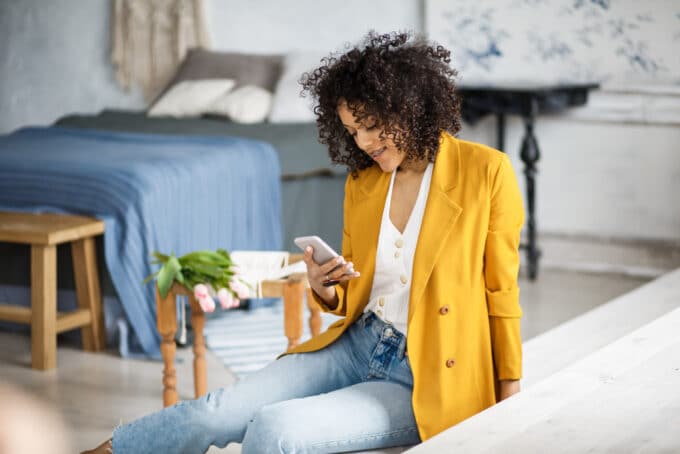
[341, 289]
[501, 268]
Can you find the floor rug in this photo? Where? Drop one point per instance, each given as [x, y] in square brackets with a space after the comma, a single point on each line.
[246, 340]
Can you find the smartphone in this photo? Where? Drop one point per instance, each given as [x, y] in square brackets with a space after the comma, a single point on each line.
[322, 252]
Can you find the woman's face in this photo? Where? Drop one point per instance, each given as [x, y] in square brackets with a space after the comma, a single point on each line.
[367, 137]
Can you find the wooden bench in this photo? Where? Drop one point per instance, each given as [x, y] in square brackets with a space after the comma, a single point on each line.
[292, 291]
[43, 232]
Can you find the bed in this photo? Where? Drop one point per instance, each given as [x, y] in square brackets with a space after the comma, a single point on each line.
[154, 192]
[226, 156]
[312, 188]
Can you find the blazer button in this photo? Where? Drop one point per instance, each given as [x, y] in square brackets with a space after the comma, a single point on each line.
[444, 310]
[450, 362]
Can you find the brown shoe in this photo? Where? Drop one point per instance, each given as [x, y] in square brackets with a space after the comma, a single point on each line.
[104, 448]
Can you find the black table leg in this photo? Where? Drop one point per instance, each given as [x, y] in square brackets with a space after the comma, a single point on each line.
[530, 154]
[500, 131]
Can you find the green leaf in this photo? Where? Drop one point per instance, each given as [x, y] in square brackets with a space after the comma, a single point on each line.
[210, 270]
[213, 268]
[161, 258]
[167, 274]
[205, 257]
[149, 278]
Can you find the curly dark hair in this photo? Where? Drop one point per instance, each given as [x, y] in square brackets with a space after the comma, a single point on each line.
[401, 80]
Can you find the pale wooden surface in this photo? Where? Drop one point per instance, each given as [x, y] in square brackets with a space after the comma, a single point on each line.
[89, 294]
[198, 323]
[44, 306]
[598, 327]
[46, 228]
[166, 322]
[43, 232]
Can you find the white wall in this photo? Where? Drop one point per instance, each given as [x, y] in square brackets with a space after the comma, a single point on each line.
[54, 55]
[285, 25]
[611, 179]
[596, 178]
[54, 60]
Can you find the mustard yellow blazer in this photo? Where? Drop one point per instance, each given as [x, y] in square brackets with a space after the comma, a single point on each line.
[463, 320]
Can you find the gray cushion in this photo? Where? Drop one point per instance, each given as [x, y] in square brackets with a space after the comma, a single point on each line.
[245, 69]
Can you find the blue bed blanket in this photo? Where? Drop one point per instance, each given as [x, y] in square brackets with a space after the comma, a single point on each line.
[154, 192]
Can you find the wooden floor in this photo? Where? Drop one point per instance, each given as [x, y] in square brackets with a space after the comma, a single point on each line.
[95, 392]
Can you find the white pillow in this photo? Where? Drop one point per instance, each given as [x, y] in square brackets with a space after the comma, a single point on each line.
[288, 106]
[246, 104]
[190, 98]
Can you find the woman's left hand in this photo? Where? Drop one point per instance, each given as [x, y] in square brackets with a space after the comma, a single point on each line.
[508, 388]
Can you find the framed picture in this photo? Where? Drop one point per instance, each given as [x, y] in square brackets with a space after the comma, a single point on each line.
[613, 42]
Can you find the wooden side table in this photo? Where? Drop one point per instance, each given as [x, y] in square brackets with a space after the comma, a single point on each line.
[43, 232]
[291, 290]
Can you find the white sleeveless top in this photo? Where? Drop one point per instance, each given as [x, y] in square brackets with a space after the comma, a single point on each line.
[394, 259]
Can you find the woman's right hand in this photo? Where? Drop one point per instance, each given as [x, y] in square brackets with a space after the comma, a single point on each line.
[330, 273]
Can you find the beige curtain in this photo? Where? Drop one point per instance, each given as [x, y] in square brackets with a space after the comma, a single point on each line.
[151, 37]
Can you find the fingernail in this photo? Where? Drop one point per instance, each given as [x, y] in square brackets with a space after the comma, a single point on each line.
[308, 249]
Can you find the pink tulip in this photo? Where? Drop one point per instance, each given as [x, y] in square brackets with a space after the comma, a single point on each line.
[207, 304]
[239, 288]
[204, 299]
[225, 298]
[200, 291]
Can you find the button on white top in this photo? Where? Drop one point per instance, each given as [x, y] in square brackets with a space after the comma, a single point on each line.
[391, 286]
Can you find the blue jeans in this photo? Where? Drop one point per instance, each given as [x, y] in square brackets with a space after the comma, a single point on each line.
[353, 395]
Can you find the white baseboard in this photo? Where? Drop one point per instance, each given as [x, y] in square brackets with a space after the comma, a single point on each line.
[635, 257]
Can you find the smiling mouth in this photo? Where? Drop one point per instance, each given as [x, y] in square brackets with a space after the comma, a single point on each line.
[377, 152]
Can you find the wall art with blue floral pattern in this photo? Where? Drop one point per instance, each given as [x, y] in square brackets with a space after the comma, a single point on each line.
[613, 42]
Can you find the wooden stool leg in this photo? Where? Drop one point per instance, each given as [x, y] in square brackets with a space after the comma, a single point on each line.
[43, 307]
[166, 320]
[200, 371]
[89, 294]
[314, 314]
[293, 291]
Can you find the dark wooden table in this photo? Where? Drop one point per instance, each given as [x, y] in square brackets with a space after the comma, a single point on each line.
[527, 101]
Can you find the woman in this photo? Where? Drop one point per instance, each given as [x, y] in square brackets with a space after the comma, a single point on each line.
[427, 278]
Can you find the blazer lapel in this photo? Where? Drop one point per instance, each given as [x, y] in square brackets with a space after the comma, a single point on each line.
[441, 214]
[367, 213]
